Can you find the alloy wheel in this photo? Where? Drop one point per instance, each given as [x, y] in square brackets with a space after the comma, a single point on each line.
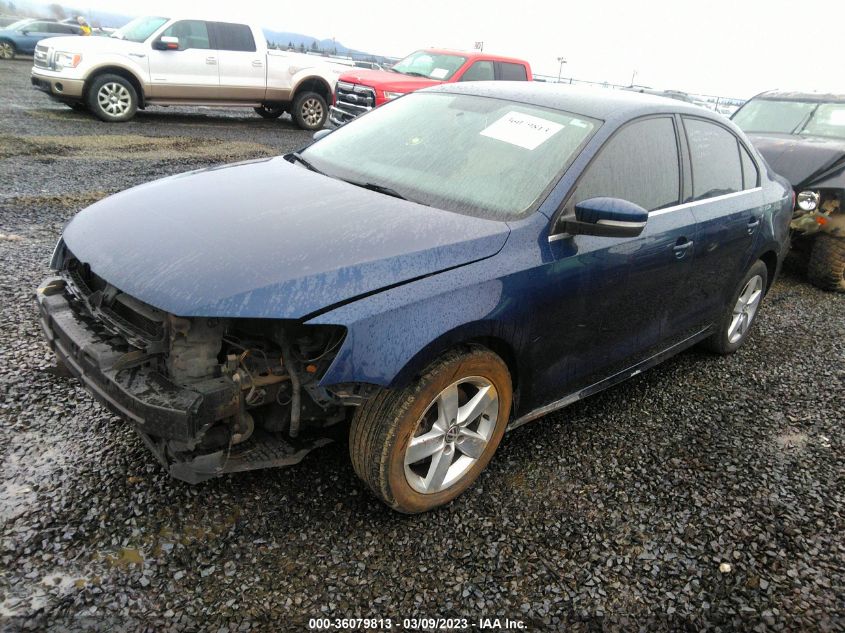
[745, 308]
[312, 112]
[6, 50]
[451, 435]
[114, 99]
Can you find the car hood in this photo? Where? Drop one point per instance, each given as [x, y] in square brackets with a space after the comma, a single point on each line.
[78, 44]
[268, 239]
[804, 161]
[386, 80]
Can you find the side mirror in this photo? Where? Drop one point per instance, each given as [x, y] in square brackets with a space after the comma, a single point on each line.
[606, 217]
[321, 134]
[166, 43]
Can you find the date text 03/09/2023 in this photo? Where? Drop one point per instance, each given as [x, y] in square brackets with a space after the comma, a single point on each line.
[416, 624]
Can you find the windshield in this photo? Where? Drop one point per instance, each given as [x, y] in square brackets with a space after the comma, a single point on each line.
[430, 65]
[792, 117]
[14, 26]
[139, 29]
[476, 155]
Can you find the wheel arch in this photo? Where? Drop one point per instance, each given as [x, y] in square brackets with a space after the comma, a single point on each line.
[314, 84]
[121, 72]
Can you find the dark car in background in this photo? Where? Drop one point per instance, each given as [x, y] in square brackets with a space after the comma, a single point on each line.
[455, 263]
[802, 137]
[21, 37]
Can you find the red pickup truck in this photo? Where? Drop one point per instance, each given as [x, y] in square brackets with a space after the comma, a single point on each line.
[359, 91]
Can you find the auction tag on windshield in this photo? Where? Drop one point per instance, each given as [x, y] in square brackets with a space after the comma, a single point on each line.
[439, 73]
[522, 130]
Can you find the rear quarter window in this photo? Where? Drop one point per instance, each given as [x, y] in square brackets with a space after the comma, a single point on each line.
[715, 158]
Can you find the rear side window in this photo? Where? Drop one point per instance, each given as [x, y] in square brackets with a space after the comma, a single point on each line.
[479, 71]
[191, 34]
[749, 169]
[716, 165]
[638, 164]
[234, 37]
[512, 72]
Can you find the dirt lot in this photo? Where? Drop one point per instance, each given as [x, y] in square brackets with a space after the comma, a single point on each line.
[706, 493]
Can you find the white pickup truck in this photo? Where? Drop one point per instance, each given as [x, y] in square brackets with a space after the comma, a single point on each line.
[184, 61]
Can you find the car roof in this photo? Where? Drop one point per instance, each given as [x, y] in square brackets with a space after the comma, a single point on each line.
[599, 103]
[795, 95]
[473, 54]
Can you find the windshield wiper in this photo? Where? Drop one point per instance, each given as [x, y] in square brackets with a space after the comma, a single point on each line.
[415, 74]
[296, 157]
[382, 189]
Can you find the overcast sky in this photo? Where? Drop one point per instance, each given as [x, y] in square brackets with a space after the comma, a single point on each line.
[730, 48]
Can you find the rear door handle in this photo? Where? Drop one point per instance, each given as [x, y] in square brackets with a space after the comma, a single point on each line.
[753, 223]
[211, 60]
[682, 248]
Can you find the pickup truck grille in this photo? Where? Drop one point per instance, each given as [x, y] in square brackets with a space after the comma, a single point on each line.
[352, 100]
[42, 57]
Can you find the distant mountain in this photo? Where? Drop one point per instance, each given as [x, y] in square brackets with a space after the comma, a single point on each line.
[282, 39]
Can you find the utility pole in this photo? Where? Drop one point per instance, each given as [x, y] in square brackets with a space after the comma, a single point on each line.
[634, 74]
[561, 61]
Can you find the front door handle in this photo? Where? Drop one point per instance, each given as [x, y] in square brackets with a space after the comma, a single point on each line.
[682, 248]
[753, 223]
[257, 63]
[211, 60]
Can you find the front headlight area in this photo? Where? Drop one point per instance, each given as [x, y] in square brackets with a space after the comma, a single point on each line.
[392, 95]
[817, 210]
[65, 59]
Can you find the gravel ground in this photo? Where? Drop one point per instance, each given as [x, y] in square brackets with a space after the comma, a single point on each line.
[705, 494]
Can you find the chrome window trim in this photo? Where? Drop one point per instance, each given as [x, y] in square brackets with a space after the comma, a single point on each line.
[678, 207]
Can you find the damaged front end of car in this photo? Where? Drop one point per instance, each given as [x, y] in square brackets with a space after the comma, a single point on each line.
[818, 211]
[207, 395]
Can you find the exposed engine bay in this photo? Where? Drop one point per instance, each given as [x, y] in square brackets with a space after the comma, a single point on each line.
[819, 211]
[207, 395]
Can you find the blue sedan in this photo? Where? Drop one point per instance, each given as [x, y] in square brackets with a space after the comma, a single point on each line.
[452, 265]
[21, 37]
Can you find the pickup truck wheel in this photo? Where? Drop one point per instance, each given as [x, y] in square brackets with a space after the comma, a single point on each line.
[736, 321]
[112, 98]
[7, 50]
[269, 111]
[420, 447]
[310, 111]
[826, 268]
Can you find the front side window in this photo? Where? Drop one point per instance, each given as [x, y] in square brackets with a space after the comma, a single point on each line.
[139, 29]
[465, 153]
[715, 159]
[191, 34]
[512, 72]
[429, 65]
[479, 71]
[234, 37]
[38, 27]
[638, 164]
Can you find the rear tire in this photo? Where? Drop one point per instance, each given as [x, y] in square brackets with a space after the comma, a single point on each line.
[112, 98]
[453, 405]
[270, 111]
[310, 111]
[826, 268]
[740, 311]
[7, 50]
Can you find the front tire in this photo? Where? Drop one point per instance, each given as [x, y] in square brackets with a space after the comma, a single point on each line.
[7, 50]
[420, 447]
[738, 317]
[112, 99]
[270, 111]
[310, 111]
[826, 267]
